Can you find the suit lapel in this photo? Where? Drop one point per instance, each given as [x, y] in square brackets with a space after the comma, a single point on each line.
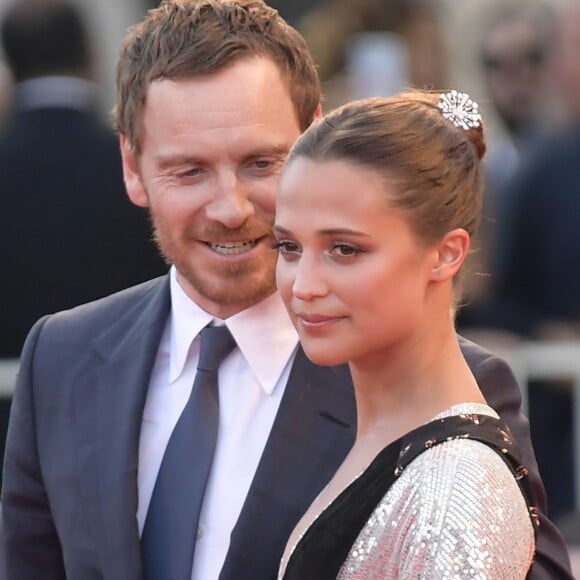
[313, 431]
[109, 409]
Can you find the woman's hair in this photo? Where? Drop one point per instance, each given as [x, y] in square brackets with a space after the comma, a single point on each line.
[184, 38]
[434, 165]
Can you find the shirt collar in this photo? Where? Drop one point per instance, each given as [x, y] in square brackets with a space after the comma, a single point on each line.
[263, 333]
[56, 91]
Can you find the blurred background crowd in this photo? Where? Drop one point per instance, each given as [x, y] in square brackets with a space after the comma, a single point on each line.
[68, 234]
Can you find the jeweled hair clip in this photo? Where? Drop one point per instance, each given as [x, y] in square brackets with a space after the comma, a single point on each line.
[460, 109]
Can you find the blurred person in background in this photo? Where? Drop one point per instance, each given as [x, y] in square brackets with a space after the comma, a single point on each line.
[536, 264]
[514, 43]
[68, 234]
[513, 52]
[367, 48]
[67, 231]
[5, 86]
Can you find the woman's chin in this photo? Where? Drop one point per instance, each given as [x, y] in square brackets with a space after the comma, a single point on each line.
[324, 359]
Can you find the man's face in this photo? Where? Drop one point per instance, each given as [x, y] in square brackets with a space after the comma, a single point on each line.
[212, 147]
[513, 61]
[566, 61]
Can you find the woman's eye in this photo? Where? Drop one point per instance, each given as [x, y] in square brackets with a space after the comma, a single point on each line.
[345, 250]
[286, 247]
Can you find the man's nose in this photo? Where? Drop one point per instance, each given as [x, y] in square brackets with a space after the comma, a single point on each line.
[230, 204]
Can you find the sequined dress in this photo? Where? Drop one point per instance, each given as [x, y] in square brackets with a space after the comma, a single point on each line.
[448, 500]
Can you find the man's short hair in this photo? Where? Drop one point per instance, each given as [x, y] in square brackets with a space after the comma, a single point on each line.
[184, 38]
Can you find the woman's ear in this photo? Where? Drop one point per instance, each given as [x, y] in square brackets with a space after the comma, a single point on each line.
[452, 251]
[318, 112]
[132, 175]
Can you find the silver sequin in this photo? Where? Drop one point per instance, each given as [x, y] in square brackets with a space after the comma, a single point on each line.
[455, 512]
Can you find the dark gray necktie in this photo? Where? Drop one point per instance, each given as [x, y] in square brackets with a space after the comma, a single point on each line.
[169, 535]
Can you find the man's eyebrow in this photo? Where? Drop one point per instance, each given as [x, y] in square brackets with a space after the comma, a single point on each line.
[277, 150]
[170, 160]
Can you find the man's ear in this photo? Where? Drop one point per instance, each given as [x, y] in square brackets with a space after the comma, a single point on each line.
[451, 252]
[132, 175]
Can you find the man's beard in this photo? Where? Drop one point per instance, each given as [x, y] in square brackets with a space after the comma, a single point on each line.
[253, 280]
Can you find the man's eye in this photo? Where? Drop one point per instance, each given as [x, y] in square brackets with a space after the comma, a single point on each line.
[191, 172]
[264, 165]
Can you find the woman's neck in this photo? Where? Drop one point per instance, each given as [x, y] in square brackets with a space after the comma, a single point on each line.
[406, 386]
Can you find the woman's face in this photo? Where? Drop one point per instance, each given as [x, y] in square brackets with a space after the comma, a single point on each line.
[354, 277]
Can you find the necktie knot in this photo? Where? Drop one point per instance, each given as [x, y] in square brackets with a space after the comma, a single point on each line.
[216, 343]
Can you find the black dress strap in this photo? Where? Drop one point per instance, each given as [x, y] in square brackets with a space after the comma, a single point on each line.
[325, 546]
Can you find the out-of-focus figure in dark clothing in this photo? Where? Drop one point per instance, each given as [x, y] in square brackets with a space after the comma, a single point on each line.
[538, 263]
[513, 49]
[4, 90]
[68, 233]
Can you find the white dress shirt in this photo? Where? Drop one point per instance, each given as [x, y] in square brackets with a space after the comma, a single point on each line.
[252, 380]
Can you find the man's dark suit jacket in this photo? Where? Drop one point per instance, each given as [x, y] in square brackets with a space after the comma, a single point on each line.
[70, 477]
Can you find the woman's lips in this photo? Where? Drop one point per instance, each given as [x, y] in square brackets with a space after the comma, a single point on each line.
[316, 320]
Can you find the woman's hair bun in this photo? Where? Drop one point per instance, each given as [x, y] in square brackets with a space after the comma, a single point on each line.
[477, 138]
